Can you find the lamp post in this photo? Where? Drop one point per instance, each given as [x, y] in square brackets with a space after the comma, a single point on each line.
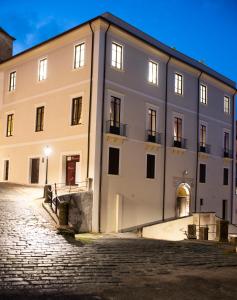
[47, 152]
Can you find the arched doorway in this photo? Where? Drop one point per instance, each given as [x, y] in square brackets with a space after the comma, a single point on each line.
[183, 200]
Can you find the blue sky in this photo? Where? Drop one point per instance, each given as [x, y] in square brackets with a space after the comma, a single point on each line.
[203, 29]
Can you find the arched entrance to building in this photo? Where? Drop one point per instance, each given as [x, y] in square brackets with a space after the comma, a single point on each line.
[183, 200]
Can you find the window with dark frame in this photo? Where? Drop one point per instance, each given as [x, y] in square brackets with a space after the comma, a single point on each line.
[178, 124]
[39, 124]
[117, 56]
[76, 111]
[224, 209]
[225, 176]
[6, 170]
[12, 81]
[152, 125]
[178, 85]
[203, 93]
[79, 56]
[9, 131]
[113, 168]
[203, 135]
[226, 143]
[202, 173]
[150, 166]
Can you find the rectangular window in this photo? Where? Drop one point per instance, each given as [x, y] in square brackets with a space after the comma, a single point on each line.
[151, 125]
[12, 81]
[113, 161]
[76, 111]
[227, 105]
[10, 125]
[226, 144]
[203, 94]
[79, 56]
[203, 135]
[150, 166]
[202, 173]
[225, 176]
[178, 84]
[39, 124]
[43, 69]
[153, 72]
[117, 56]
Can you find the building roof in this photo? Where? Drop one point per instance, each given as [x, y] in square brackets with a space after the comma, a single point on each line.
[3, 31]
[117, 22]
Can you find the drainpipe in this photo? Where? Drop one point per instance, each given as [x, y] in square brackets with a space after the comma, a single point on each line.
[102, 125]
[90, 101]
[234, 157]
[165, 139]
[197, 157]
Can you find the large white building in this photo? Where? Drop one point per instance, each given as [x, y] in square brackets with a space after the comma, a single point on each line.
[153, 128]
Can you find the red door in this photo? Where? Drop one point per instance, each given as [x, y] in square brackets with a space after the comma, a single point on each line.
[71, 169]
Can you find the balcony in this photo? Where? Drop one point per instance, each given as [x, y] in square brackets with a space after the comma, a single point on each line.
[116, 128]
[227, 153]
[179, 142]
[204, 148]
[153, 137]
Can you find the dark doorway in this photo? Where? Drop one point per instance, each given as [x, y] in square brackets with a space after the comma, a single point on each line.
[224, 209]
[35, 170]
[71, 169]
[6, 169]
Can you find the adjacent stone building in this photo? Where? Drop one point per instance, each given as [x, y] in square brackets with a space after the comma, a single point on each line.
[152, 128]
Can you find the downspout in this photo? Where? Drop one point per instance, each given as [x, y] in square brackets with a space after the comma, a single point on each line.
[90, 101]
[234, 157]
[102, 125]
[197, 134]
[165, 139]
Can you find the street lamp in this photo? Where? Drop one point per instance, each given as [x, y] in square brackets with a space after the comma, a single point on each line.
[47, 152]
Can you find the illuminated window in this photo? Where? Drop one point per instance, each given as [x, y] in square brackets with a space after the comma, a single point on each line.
[39, 124]
[178, 84]
[43, 69]
[153, 72]
[12, 81]
[79, 56]
[76, 111]
[203, 94]
[117, 56]
[10, 125]
[227, 105]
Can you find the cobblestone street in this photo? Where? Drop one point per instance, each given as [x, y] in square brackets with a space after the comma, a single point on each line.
[38, 263]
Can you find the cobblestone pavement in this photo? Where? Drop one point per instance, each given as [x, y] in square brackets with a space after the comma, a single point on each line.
[38, 263]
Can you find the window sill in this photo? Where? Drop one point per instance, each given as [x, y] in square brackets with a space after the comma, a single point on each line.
[78, 69]
[118, 70]
[115, 139]
[177, 150]
[153, 84]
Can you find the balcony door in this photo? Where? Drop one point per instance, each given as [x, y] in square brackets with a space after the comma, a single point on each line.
[178, 123]
[151, 125]
[115, 107]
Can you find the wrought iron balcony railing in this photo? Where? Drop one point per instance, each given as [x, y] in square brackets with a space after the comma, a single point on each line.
[227, 153]
[116, 128]
[205, 148]
[153, 137]
[179, 142]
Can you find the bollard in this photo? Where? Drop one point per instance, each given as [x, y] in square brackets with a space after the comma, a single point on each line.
[192, 232]
[63, 213]
[203, 233]
[47, 193]
[222, 230]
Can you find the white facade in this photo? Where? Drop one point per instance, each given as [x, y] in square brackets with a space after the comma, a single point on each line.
[151, 129]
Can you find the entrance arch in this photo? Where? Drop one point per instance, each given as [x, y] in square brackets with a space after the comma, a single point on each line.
[183, 200]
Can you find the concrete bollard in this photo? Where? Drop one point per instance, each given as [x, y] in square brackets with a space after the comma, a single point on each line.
[192, 232]
[222, 230]
[203, 233]
[47, 193]
[63, 213]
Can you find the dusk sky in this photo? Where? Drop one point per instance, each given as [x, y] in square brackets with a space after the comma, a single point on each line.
[203, 29]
